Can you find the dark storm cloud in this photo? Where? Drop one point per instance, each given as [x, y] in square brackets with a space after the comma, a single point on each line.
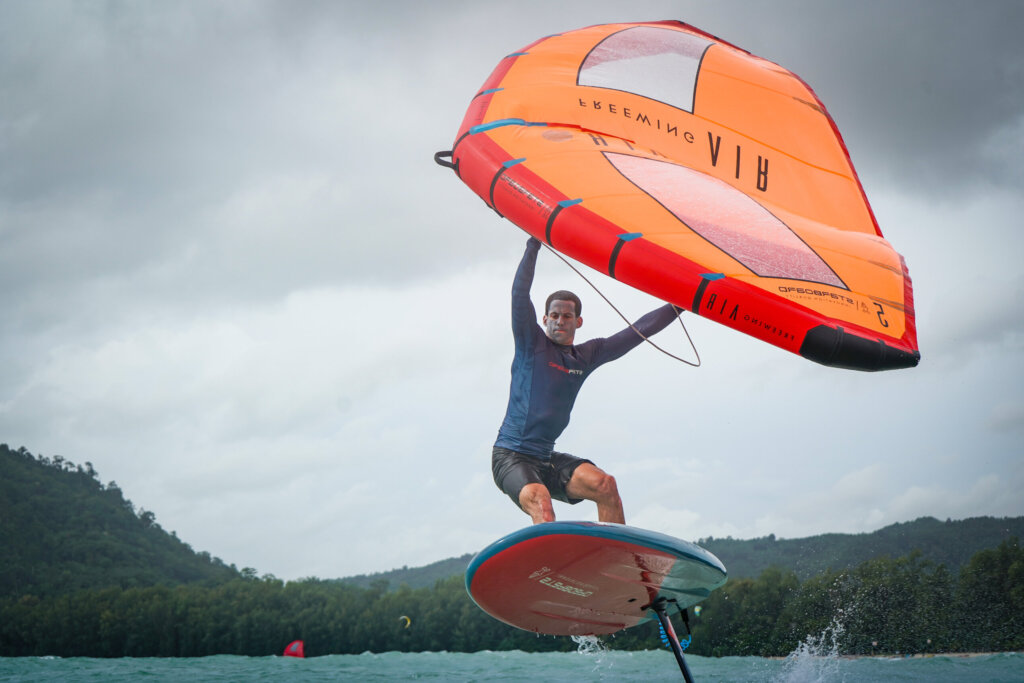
[921, 91]
[136, 137]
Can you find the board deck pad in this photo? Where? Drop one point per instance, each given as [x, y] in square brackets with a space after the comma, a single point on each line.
[588, 578]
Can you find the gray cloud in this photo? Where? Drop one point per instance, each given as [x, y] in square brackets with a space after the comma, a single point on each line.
[924, 93]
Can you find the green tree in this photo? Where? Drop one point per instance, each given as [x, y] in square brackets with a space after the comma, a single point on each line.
[990, 599]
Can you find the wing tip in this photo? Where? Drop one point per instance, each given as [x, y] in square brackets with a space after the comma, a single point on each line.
[836, 348]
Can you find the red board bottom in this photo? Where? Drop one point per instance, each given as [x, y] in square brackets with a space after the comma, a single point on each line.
[568, 583]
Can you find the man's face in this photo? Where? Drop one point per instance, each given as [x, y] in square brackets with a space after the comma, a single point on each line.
[561, 323]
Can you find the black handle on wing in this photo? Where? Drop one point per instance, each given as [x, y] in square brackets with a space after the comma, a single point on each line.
[439, 159]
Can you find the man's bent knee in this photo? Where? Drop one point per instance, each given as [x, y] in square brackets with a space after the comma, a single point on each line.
[535, 500]
[600, 487]
[606, 488]
[592, 483]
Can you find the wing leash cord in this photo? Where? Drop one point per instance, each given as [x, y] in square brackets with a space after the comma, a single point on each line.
[440, 160]
[679, 316]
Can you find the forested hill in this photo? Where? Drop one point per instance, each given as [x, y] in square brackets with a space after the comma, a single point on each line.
[415, 577]
[951, 543]
[62, 530]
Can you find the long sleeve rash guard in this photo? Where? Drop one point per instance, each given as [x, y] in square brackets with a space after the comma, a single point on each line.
[546, 377]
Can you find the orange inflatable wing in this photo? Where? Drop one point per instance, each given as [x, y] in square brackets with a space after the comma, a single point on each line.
[699, 173]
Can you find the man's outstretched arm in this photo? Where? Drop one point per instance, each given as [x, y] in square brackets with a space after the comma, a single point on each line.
[626, 340]
[524, 316]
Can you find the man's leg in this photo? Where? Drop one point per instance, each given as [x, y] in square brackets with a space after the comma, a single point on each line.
[535, 499]
[591, 483]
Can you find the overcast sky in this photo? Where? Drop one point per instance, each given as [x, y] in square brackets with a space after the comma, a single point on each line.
[234, 280]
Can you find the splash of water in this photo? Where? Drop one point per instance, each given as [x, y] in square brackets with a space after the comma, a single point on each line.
[591, 646]
[816, 658]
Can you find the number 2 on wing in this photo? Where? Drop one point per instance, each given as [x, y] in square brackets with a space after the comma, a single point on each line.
[885, 323]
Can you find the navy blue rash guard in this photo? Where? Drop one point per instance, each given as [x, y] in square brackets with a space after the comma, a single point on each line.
[546, 377]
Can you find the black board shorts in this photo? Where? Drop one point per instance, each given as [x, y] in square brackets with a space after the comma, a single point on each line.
[512, 471]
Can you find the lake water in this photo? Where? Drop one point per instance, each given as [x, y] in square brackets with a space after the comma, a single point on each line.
[518, 666]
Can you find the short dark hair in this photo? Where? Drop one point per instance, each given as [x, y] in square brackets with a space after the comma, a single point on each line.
[563, 295]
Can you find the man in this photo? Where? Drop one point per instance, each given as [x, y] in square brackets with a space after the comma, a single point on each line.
[547, 373]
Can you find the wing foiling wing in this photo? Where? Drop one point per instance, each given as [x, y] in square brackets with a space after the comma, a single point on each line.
[699, 173]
